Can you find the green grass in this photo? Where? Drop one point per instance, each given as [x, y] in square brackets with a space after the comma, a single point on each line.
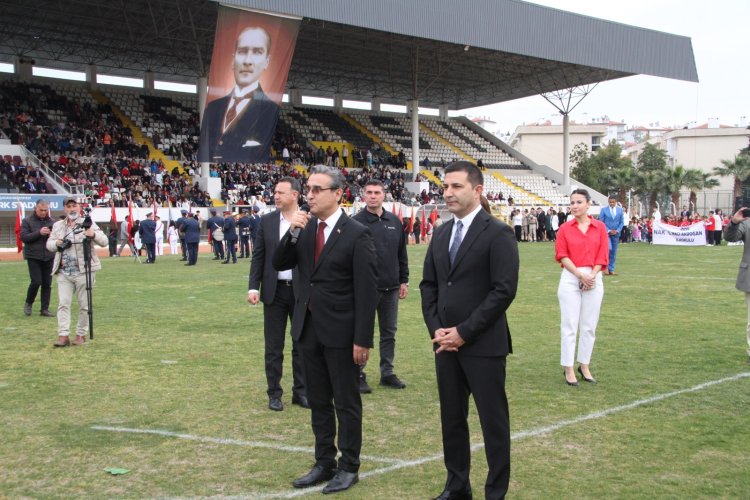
[179, 349]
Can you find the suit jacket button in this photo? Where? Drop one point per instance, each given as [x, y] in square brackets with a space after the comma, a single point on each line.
[450, 283]
[221, 143]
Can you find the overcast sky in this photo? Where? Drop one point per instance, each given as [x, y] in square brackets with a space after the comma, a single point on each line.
[719, 31]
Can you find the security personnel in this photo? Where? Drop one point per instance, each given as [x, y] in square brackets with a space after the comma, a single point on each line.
[213, 223]
[393, 278]
[254, 224]
[230, 237]
[244, 227]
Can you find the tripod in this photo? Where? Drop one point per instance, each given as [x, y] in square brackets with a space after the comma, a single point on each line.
[89, 283]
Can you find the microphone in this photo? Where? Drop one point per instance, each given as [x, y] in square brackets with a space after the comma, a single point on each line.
[295, 232]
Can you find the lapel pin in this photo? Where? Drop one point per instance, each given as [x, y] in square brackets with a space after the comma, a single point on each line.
[338, 231]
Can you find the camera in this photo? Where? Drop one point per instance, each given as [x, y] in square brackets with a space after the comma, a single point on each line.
[64, 245]
[87, 222]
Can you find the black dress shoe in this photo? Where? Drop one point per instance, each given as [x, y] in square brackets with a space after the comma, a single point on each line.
[225, 262]
[275, 404]
[364, 387]
[589, 380]
[300, 400]
[392, 381]
[183, 260]
[318, 474]
[27, 309]
[454, 495]
[341, 481]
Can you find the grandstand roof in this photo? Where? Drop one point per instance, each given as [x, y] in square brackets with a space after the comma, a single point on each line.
[458, 54]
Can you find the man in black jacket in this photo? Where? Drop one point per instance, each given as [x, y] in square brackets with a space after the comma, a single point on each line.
[333, 322]
[393, 278]
[35, 230]
[469, 281]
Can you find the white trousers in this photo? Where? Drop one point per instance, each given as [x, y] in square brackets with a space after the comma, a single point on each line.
[159, 245]
[66, 287]
[173, 246]
[579, 310]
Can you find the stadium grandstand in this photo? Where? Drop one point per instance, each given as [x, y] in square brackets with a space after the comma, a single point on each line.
[114, 143]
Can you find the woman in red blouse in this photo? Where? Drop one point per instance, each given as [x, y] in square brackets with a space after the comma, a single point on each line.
[582, 249]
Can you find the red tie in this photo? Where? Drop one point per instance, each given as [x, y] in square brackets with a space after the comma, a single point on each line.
[320, 241]
[232, 111]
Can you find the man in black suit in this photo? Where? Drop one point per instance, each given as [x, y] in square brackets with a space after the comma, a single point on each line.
[147, 230]
[277, 291]
[230, 237]
[239, 127]
[333, 322]
[244, 227]
[192, 229]
[215, 225]
[178, 223]
[469, 281]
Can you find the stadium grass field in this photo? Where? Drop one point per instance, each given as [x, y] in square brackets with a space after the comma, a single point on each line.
[179, 350]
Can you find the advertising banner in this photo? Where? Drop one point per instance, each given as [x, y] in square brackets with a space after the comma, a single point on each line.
[693, 235]
[249, 68]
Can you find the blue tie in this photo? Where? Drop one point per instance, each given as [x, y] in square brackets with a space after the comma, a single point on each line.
[457, 238]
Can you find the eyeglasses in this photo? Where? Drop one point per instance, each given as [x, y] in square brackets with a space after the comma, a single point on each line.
[317, 189]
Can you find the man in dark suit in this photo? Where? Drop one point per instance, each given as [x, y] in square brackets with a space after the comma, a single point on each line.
[192, 229]
[254, 225]
[333, 322]
[244, 227]
[215, 225]
[239, 127]
[277, 291]
[147, 230]
[230, 237]
[469, 281]
[178, 224]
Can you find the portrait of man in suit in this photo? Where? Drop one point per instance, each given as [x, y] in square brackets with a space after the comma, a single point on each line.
[239, 127]
[469, 281]
[333, 322]
[614, 220]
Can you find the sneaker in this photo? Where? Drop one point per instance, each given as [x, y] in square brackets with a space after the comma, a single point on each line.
[27, 309]
[364, 388]
[392, 381]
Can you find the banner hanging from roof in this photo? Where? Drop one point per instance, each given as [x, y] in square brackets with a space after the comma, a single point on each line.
[249, 68]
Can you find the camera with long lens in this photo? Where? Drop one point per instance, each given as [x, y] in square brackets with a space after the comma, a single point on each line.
[64, 245]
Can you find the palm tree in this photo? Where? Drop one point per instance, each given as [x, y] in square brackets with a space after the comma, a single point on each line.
[739, 169]
[674, 179]
[621, 180]
[697, 180]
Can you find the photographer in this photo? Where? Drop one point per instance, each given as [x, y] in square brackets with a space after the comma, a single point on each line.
[35, 229]
[67, 240]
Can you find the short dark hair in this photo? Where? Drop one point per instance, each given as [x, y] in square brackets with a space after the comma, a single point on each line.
[375, 182]
[472, 171]
[612, 197]
[41, 201]
[293, 183]
[582, 192]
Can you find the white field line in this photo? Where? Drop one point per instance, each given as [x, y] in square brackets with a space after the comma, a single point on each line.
[403, 464]
[237, 442]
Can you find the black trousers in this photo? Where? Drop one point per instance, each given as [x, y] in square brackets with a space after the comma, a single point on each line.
[231, 252]
[184, 248]
[245, 246]
[517, 229]
[332, 378]
[40, 272]
[275, 317]
[457, 377]
[192, 249]
[150, 251]
[218, 249]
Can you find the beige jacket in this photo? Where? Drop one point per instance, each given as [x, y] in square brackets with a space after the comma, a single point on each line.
[61, 231]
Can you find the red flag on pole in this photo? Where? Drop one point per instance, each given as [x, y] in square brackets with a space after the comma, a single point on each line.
[423, 227]
[411, 221]
[130, 221]
[433, 216]
[20, 215]
[400, 217]
[113, 215]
